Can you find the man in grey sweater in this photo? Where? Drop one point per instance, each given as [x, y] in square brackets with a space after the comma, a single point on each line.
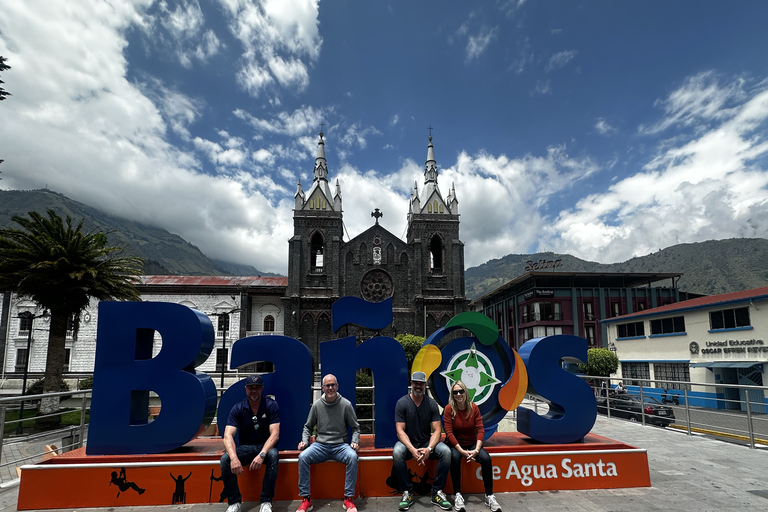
[332, 414]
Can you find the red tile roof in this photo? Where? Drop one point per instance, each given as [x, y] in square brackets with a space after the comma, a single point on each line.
[698, 302]
[247, 281]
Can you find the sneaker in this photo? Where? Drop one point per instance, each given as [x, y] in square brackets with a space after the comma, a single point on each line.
[458, 502]
[235, 507]
[266, 507]
[349, 505]
[306, 505]
[490, 500]
[406, 502]
[441, 501]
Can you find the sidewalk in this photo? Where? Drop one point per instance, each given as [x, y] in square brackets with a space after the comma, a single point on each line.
[687, 473]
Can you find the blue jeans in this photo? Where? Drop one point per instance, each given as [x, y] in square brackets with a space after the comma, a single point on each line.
[442, 453]
[246, 454]
[319, 452]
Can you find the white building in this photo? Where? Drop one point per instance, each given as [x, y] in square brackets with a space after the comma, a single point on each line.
[721, 339]
[255, 304]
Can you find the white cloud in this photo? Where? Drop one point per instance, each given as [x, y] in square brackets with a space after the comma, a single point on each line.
[542, 88]
[477, 44]
[703, 187]
[276, 36]
[560, 59]
[603, 128]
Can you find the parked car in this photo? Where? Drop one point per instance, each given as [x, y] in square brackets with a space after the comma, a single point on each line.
[630, 407]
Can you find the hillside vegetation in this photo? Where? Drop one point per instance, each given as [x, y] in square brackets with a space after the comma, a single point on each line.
[711, 267]
[163, 252]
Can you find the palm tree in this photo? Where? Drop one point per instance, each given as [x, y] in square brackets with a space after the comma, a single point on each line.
[62, 268]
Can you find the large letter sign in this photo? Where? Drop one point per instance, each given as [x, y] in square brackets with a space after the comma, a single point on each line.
[572, 406]
[125, 372]
[497, 377]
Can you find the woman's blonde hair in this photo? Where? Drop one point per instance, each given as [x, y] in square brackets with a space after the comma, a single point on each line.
[452, 402]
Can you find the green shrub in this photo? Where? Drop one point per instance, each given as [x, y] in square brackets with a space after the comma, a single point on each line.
[37, 388]
[86, 383]
[601, 362]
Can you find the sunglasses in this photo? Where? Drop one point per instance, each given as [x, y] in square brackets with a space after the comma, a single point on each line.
[458, 391]
[255, 421]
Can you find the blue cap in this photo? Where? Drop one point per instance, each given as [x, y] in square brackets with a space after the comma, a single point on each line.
[254, 380]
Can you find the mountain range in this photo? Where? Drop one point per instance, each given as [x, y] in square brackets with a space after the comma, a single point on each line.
[711, 267]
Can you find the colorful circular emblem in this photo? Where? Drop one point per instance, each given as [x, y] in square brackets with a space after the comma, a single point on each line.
[494, 374]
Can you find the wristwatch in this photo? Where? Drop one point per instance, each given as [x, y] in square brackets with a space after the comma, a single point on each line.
[429, 448]
[263, 455]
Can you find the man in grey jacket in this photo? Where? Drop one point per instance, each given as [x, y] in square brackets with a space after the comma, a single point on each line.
[332, 414]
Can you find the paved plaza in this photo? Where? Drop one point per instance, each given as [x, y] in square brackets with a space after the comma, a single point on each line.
[687, 473]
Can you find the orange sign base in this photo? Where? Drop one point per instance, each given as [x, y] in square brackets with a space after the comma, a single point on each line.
[191, 474]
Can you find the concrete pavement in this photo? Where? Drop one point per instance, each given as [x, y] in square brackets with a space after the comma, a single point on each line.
[687, 473]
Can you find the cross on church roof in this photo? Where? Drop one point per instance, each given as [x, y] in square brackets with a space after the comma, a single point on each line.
[377, 214]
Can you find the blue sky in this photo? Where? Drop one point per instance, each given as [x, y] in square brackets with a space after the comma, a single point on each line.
[605, 130]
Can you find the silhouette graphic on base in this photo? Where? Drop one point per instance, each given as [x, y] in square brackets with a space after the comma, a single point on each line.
[223, 494]
[123, 484]
[179, 495]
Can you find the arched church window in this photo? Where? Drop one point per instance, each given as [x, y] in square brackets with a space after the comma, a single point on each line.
[442, 208]
[429, 208]
[436, 254]
[434, 208]
[269, 323]
[316, 252]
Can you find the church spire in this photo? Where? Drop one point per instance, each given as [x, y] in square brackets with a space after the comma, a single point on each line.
[430, 166]
[321, 167]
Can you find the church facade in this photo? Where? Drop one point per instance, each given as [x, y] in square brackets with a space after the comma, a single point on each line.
[424, 274]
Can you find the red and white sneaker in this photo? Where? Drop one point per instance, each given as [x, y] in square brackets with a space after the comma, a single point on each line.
[306, 505]
[349, 505]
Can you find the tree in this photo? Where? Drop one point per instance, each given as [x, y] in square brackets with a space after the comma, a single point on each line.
[3, 67]
[3, 92]
[61, 268]
[412, 344]
[601, 362]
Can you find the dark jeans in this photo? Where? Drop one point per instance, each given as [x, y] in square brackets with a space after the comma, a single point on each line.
[485, 464]
[246, 454]
[442, 453]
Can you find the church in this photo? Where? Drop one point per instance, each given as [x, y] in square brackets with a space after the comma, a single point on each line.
[424, 274]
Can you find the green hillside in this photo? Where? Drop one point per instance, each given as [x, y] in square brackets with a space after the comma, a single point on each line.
[711, 267]
[164, 253]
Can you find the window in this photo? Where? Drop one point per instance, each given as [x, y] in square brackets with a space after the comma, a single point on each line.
[25, 324]
[436, 253]
[631, 330]
[729, 318]
[615, 308]
[221, 359]
[542, 311]
[672, 371]
[269, 323]
[67, 358]
[588, 314]
[223, 324]
[631, 371]
[673, 325]
[641, 306]
[540, 331]
[589, 333]
[316, 253]
[21, 359]
[70, 327]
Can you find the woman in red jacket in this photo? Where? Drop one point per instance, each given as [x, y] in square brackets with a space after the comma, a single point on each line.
[464, 434]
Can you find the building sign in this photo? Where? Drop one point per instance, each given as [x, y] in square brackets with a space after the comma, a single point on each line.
[539, 294]
[542, 264]
[752, 346]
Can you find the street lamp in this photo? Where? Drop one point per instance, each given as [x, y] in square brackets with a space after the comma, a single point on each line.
[29, 316]
[224, 339]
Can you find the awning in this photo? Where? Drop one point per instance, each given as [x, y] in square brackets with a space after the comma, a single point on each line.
[727, 364]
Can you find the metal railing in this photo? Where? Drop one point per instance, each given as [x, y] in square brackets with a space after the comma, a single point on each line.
[726, 410]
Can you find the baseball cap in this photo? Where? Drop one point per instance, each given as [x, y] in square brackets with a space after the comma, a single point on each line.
[254, 380]
[419, 377]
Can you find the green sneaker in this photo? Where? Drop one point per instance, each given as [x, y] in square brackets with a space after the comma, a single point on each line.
[406, 502]
[441, 501]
